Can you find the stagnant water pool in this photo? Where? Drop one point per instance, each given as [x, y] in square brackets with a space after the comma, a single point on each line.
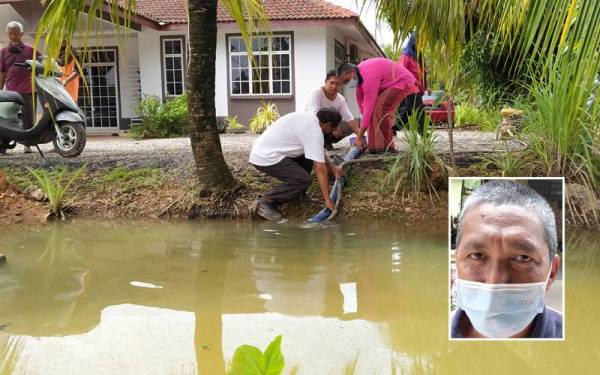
[358, 297]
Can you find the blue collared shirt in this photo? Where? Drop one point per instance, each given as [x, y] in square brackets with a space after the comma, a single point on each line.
[547, 324]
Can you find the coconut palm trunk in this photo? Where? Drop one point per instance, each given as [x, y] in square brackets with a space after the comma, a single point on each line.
[212, 171]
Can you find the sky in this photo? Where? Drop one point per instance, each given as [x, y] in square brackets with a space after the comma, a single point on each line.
[383, 34]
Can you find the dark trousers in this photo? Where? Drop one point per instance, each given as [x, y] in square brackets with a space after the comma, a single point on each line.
[27, 111]
[412, 104]
[294, 174]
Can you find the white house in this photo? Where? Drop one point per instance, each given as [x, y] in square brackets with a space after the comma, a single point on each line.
[309, 37]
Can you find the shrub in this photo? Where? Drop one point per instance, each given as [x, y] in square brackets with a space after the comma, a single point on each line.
[266, 114]
[161, 120]
[55, 185]
[414, 169]
[232, 122]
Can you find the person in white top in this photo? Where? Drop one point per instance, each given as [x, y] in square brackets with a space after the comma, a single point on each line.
[287, 151]
[328, 96]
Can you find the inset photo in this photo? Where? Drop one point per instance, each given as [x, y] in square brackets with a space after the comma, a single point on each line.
[506, 258]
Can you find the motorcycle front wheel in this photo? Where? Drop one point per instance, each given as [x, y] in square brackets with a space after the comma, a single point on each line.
[72, 140]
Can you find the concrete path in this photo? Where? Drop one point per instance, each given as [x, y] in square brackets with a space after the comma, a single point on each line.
[176, 154]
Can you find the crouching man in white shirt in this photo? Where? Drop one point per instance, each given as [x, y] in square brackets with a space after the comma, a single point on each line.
[287, 151]
[328, 96]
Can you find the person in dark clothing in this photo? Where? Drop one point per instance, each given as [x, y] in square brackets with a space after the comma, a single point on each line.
[506, 261]
[17, 78]
[413, 103]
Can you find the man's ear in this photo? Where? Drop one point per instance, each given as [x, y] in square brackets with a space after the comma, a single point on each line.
[553, 271]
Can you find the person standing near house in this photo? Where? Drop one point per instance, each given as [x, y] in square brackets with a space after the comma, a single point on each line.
[381, 85]
[413, 62]
[328, 96]
[18, 78]
[287, 151]
[70, 78]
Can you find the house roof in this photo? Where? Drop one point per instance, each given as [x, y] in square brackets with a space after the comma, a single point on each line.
[162, 14]
[174, 12]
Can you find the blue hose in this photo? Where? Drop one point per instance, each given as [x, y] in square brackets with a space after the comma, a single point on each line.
[336, 192]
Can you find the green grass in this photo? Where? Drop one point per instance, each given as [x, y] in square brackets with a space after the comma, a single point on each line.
[486, 118]
[123, 179]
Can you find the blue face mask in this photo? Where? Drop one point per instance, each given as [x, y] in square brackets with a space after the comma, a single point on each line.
[500, 310]
[353, 83]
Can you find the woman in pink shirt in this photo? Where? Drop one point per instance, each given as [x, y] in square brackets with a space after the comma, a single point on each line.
[381, 85]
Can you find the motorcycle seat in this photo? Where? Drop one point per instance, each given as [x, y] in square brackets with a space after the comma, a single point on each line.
[10, 97]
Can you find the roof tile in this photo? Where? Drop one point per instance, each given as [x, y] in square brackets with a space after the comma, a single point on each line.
[173, 11]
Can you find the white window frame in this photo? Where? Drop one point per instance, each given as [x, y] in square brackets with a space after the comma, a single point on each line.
[165, 55]
[270, 53]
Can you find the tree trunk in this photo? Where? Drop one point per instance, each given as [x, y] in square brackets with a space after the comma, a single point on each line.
[212, 171]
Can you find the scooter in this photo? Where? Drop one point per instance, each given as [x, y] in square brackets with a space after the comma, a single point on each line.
[62, 122]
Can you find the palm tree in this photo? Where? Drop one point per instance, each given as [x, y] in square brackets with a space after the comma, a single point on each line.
[557, 42]
[65, 16]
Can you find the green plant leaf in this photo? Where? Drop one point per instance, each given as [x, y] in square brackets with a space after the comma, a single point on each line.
[247, 360]
[274, 361]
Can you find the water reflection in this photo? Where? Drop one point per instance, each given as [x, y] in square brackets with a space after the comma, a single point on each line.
[364, 297]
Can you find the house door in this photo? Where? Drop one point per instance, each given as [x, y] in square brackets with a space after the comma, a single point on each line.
[100, 98]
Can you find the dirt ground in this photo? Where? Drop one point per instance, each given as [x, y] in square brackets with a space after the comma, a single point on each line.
[155, 179]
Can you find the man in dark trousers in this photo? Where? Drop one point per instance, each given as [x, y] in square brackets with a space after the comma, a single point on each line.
[17, 78]
[287, 151]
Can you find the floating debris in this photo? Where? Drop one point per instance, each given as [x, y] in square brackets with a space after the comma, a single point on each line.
[140, 284]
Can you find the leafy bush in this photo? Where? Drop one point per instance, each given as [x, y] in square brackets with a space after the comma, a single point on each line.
[55, 185]
[561, 130]
[266, 114]
[161, 120]
[487, 68]
[232, 122]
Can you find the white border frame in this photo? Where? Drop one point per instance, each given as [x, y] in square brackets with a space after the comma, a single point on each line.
[562, 264]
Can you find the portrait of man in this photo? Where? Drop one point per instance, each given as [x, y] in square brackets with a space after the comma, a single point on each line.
[506, 262]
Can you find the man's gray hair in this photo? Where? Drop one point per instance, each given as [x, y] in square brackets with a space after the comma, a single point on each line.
[498, 192]
[14, 25]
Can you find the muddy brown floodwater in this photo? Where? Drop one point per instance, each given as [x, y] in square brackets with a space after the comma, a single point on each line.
[362, 297]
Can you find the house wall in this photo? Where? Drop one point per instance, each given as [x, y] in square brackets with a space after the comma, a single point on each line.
[308, 69]
[335, 34]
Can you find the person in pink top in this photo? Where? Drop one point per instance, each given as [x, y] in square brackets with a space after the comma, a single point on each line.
[381, 85]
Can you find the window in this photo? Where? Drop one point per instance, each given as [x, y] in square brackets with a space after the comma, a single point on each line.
[173, 52]
[99, 94]
[269, 72]
[340, 53]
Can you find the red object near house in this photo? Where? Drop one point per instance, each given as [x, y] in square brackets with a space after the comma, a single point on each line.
[438, 110]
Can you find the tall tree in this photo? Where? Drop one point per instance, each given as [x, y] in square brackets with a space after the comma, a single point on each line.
[62, 19]
[543, 33]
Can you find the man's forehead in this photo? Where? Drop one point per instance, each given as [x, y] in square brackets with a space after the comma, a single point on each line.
[515, 222]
